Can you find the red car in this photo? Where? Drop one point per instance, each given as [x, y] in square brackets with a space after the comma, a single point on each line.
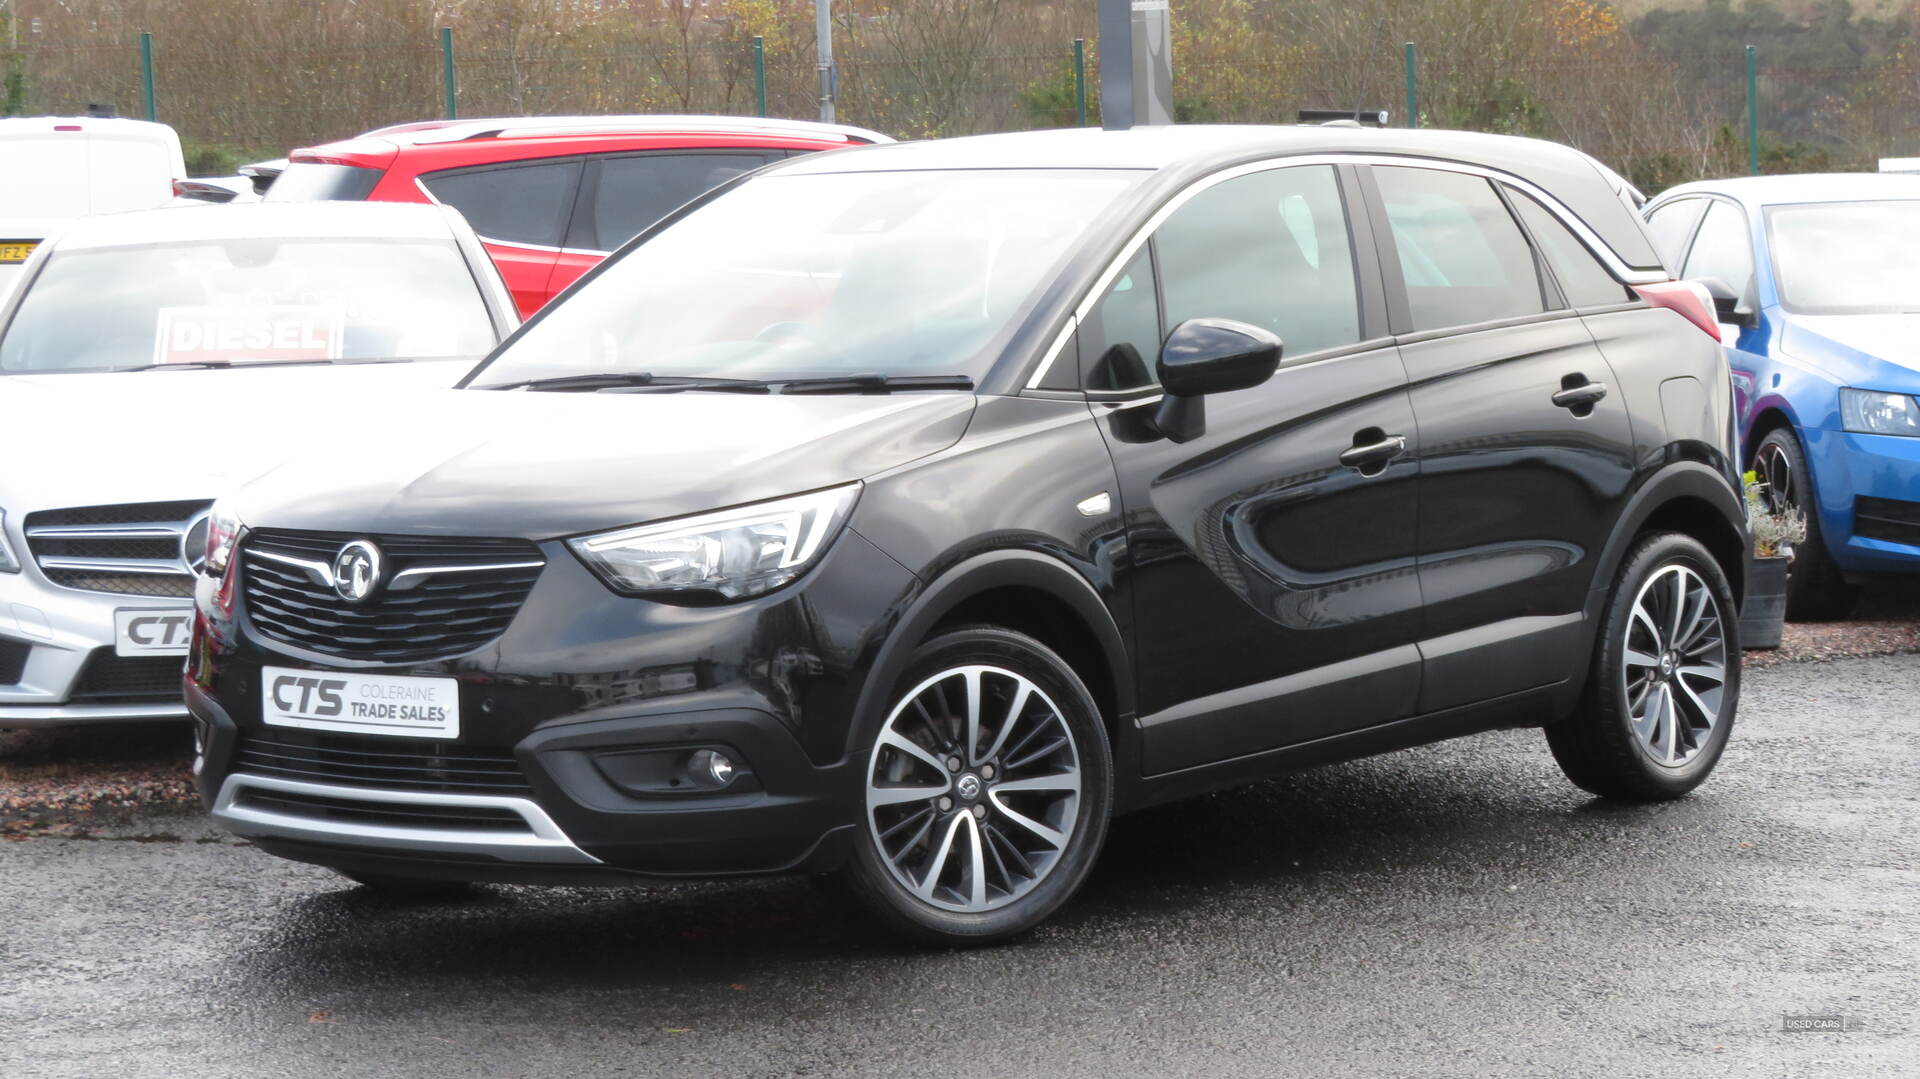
[552, 195]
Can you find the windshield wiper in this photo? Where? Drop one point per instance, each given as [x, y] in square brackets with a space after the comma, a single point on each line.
[874, 383]
[630, 380]
[222, 365]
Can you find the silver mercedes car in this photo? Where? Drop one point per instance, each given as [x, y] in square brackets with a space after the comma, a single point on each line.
[131, 337]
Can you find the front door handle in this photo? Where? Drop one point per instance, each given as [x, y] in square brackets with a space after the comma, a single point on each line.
[1581, 398]
[1371, 457]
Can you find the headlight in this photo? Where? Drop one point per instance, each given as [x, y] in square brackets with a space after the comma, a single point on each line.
[1871, 412]
[223, 531]
[8, 563]
[732, 553]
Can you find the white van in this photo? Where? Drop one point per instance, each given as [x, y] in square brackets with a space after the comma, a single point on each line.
[56, 168]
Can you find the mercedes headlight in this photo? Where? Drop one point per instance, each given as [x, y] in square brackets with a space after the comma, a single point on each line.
[733, 553]
[223, 531]
[8, 563]
[1870, 412]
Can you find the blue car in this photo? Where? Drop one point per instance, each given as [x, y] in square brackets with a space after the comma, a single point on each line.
[1817, 284]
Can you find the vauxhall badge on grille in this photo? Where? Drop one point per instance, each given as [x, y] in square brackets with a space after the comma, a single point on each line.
[356, 571]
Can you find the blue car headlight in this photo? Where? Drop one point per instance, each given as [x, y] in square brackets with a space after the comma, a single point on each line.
[1870, 412]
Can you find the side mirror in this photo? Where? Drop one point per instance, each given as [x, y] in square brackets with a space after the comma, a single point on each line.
[1726, 305]
[1209, 355]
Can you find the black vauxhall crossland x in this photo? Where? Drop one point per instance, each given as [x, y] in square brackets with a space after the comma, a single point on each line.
[904, 513]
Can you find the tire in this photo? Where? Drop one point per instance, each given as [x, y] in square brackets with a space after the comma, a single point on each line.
[1816, 592]
[408, 888]
[949, 862]
[1602, 748]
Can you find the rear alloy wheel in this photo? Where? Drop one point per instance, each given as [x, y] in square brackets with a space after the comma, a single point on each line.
[1665, 680]
[1816, 592]
[986, 791]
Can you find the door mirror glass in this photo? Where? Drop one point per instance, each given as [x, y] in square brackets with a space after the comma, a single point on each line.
[1209, 355]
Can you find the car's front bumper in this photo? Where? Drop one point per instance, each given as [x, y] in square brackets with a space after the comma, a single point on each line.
[570, 713]
[61, 643]
[1869, 492]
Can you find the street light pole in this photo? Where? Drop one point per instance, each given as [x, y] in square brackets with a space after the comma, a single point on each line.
[823, 34]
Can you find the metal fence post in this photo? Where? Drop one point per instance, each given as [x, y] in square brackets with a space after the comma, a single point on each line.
[146, 71]
[1753, 116]
[446, 67]
[1413, 90]
[759, 75]
[1080, 81]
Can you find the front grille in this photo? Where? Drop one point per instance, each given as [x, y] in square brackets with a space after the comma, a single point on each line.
[390, 814]
[137, 548]
[120, 678]
[1891, 519]
[438, 597]
[13, 661]
[388, 764]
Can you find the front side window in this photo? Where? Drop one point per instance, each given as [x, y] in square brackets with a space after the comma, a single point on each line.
[1847, 258]
[523, 204]
[1671, 226]
[1584, 279]
[251, 300]
[1272, 249]
[631, 193]
[822, 275]
[1463, 257]
[1723, 249]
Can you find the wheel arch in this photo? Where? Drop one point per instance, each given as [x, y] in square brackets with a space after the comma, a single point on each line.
[1771, 417]
[1021, 590]
[1686, 497]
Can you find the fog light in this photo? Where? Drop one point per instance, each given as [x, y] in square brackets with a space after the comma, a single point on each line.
[710, 768]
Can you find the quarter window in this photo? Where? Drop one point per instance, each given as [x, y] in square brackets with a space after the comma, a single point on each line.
[527, 204]
[1584, 279]
[1463, 257]
[1272, 249]
[1723, 249]
[1120, 340]
[631, 193]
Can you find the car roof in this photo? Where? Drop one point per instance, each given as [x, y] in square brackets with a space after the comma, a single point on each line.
[1589, 189]
[178, 224]
[118, 125]
[1756, 191]
[514, 127]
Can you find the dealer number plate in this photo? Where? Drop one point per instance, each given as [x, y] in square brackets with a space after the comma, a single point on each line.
[360, 703]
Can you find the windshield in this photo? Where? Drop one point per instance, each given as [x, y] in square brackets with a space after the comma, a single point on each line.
[886, 273]
[247, 301]
[1846, 258]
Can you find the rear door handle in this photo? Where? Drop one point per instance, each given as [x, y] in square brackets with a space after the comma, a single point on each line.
[1583, 396]
[1371, 459]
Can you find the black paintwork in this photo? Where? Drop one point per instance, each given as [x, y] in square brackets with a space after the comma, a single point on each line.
[1399, 541]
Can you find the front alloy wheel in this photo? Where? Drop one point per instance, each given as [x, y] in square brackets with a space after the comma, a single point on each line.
[986, 790]
[973, 789]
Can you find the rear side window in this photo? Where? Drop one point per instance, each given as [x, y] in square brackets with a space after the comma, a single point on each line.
[1272, 249]
[630, 193]
[1461, 253]
[1670, 226]
[311, 181]
[526, 204]
[1723, 249]
[1584, 280]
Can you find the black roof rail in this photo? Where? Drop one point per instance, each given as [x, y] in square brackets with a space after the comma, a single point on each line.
[1345, 117]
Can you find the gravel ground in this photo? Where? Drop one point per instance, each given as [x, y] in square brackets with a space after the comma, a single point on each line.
[1454, 910]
